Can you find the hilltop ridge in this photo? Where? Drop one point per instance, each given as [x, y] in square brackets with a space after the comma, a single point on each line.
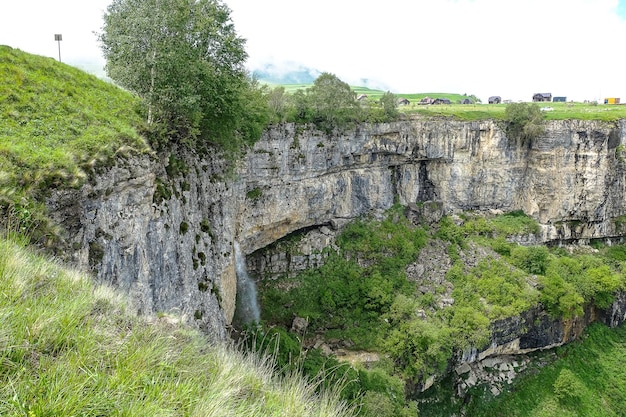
[57, 123]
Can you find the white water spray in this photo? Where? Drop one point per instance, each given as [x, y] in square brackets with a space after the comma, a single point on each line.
[247, 307]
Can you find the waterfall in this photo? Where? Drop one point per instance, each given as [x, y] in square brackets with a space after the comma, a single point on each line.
[247, 305]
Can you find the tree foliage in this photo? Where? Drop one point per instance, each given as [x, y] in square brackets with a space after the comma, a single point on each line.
[524, 120]
[184, 58]
[332, 101]
[329, 104]
[390, 105]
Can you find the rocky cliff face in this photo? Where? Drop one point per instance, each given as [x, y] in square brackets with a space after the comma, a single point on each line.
[163, 229]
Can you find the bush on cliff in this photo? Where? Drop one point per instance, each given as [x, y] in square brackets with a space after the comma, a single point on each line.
[524, 120]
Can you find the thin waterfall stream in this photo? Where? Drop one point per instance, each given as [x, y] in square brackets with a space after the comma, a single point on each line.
[247, 306]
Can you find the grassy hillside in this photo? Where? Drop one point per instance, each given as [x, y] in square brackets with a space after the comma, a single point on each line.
[56, 123]
[56, 116]
[68, 348]
[588, 379]
[584, 379]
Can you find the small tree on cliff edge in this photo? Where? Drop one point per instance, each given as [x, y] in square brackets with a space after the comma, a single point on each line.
[184, 58]
[332, 101]
[390, 105]
[524, 120]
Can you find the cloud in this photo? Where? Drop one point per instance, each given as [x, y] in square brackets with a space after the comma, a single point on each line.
[509, 48]
[30, 25]
[483, 47]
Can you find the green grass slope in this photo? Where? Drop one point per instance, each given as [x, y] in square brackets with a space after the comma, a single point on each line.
[56, 116]
[56, 123]
[69, 348]
[588, 379]
[582, 379]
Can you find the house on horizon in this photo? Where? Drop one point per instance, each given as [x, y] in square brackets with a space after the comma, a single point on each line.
[495, 100]
[556, 99]
[539, 97]
[403, 101]
[426, 101]
[441, 101]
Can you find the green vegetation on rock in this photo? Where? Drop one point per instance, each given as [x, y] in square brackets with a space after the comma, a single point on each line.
[57, 124]
[524, 120]
[364, 296]
[586, 379]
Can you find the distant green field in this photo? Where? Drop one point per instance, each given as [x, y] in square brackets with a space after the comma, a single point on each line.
[373, 94]
[554, 111]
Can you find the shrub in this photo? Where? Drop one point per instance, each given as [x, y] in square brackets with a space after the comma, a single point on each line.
[532, 259]
[559, 297]
[568, 388]
[254, 194]
[605, 282]
[617, 252]
[524, 121]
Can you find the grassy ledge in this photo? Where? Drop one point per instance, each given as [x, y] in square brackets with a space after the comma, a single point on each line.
[69, 348]
[55, 116]
[56, 124]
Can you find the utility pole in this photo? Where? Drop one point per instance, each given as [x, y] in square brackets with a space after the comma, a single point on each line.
[58, 37]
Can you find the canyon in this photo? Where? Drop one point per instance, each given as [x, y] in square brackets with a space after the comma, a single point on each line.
[163, 228]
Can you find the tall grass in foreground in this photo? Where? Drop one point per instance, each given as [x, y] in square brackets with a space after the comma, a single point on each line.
[69, 348]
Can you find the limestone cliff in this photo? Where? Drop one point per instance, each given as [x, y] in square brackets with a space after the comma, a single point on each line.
[163, 228]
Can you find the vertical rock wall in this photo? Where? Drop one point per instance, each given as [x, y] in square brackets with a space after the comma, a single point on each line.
[162, 228]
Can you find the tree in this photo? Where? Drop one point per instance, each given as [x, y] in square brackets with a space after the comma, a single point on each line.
[524, 121]
[184, 58]
[389, 105]
[278, 102]
[333, 102]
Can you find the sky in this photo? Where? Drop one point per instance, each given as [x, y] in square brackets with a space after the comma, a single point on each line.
[509, 48]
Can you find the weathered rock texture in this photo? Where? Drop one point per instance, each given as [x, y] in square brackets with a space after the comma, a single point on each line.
[167, 238]
[512, 338]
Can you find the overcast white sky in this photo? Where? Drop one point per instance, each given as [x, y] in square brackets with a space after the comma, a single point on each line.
[511, 48]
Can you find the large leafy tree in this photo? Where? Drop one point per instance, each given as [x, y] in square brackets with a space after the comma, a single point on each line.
[333, 102]
[390, 106]
[185, 59]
